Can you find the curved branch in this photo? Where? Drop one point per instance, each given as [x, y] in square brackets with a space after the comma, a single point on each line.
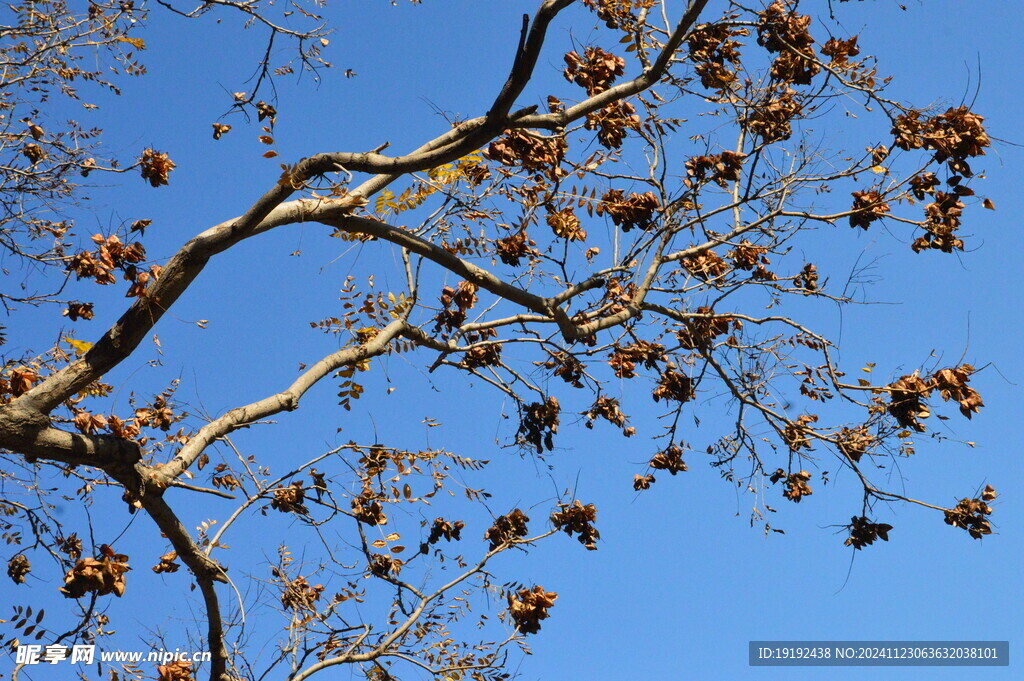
[122, 339]
[286, 400]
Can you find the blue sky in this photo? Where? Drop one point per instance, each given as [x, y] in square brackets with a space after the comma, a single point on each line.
[680, 582]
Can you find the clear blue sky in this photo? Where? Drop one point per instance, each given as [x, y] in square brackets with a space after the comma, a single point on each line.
[680, 583]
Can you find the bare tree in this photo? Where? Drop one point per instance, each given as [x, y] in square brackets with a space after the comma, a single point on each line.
[573, 238]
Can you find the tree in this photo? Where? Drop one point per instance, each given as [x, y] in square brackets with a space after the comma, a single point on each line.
[594, 259]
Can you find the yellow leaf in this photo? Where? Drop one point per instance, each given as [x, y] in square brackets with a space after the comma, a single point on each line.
[137, 43]
[81, 347]
[386, 196]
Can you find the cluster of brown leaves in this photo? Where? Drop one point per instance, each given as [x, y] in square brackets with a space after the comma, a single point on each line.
[374, 461]
[771, 119]
[611, 123]
[507, 528]
[922, 184]
[720, 168]
[89, 423]
[488, 354]
[970, 514]
[796, 432]
[674, 385]
[155, 167]
[634, 211]
[906, 403]
[642, 482]
[907, 395]
[762, 273]
[623, 359]
[532, 152]
[102, 576]
[18, 382]
[954, 136]
[264, 110]
[18, 568]
[366, 334]
[158, 414]
[175, 671]
[617, 13]
[474, 173]
[711, 48]
[566, 225]
[860, 73]
[383, 564]
[576, 519]
[33, 152]
[705, 265]
[855, 442]
[566, 367]
[125, 429]
[167, 563]
[140, 280]
[515, 247]
[225, 480]
[539, 424]
[868, 205]
[290, 499]
[78, 310]
[607, 408]
[298, 594]
[942, 220]
[70, 546]
[112, 254]
[810, 386]
[455, 303]
[864, 532]
[669, 459]
[366, 509]
[446, 530]
[747, 256]
[796, 484]
[529, 606]
[839, 51]
[780, 29]
[595, 71]
[952, 385]
[807, 279]
[701, 331]
[618, 294]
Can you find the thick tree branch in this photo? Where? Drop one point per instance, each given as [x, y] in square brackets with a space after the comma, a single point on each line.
[186, 265]
[30, 433]
[526, 58]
